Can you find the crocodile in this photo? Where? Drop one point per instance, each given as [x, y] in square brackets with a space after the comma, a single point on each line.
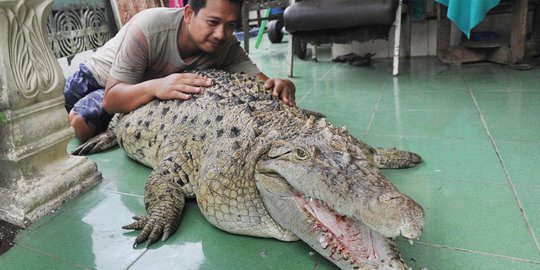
[258, 167]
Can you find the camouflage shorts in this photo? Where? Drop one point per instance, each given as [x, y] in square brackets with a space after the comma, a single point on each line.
[84, 96]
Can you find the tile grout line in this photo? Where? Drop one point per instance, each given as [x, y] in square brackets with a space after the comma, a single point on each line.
[136, 259]
[436, 137]
[328, 72]
[313, 87]
[427, 177]
[476, 252]
[507, 175]
[56, 257]
[372, 116]
[122, 193]
[316, 265]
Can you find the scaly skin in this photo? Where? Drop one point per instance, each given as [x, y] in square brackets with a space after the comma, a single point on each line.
[258, 167]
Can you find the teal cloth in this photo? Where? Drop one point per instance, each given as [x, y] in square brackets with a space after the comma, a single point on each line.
[418, 10]
[466, 14]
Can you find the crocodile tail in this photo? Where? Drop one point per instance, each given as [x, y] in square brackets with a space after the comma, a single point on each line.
[100, 142]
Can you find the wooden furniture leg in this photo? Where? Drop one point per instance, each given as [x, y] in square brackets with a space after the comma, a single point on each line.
[245, 25]
[519, 25]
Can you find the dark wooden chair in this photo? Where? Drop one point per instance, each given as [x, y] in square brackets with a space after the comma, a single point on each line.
[340, 21]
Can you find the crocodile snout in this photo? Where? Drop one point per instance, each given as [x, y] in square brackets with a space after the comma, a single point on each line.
[394, 214]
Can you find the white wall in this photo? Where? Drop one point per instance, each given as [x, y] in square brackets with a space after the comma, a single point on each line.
[424, 36]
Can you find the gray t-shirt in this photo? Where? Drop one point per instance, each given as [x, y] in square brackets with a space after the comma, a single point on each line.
[133, 62]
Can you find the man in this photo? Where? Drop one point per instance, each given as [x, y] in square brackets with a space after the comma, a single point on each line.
[142, 62]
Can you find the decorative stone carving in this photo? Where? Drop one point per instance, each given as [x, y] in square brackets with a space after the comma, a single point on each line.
[36, 173]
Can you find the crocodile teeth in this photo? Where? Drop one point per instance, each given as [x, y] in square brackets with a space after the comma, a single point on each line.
[322, 240]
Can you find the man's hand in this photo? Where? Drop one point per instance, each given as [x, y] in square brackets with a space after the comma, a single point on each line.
[181, 85]
[282, 88]
[121, 97]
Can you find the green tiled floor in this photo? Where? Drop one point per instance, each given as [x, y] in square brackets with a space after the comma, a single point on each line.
[477, 127]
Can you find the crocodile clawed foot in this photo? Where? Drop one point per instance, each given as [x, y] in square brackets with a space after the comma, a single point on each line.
[155, 232]
[137, 225]
[394, 158]
[96, 144]
[86, 148]
[150, 230]
[157, 225]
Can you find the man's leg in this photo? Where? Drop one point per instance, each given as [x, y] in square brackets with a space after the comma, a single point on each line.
[78, 85]
[88, 116]
[83, 132]
[84, 97]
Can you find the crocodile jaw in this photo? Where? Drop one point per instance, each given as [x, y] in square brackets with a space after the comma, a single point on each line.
[349, 241]
[344, 241]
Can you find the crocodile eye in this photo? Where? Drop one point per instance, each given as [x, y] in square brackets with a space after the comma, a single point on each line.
[301, 154]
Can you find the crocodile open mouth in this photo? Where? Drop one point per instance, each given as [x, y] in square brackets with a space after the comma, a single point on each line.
[347, 239]
[344, 240]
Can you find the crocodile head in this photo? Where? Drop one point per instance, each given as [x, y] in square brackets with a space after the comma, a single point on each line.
[324, 186]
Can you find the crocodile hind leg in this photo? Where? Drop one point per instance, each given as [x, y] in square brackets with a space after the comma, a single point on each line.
[98, 143]
[395, 159]
[164, 199]
[103, 141]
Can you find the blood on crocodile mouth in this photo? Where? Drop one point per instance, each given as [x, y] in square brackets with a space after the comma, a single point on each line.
[344, 237]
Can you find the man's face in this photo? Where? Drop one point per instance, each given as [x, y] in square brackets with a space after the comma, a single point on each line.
[213, 25]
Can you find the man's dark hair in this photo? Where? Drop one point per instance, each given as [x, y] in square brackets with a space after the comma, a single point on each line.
[196, 5]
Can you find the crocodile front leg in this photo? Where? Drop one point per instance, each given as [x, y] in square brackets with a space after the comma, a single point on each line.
[164, 199]
[394, 159]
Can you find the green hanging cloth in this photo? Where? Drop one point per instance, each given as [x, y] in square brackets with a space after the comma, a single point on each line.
[466, 14]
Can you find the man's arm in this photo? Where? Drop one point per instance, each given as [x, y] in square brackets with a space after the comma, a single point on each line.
[282, 88]
[121, 97]
[237, 61]
[130, 64]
